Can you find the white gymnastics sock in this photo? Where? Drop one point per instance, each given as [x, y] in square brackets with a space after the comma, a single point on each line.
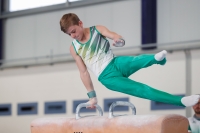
[161, 55]
[190, 100]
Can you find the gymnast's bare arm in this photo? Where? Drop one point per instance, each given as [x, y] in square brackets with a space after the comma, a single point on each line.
[109, 34]
[84, 74]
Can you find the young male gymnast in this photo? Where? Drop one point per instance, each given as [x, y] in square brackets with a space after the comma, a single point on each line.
[91, 50]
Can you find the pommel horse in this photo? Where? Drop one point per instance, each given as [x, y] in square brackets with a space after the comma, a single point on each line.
[171, 123]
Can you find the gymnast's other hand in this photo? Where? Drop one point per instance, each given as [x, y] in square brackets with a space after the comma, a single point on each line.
[92, 102]
[118, 42]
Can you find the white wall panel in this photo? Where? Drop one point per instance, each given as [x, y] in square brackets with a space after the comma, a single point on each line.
[185, 20]
[178, 20]
[163, 21]
[20, 37]
[126, 20]
[47, 33]
[195, 72]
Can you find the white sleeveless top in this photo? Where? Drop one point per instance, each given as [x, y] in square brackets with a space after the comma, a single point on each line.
[95, 53]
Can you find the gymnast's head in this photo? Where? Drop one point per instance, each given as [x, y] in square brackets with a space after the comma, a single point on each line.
[70, 23]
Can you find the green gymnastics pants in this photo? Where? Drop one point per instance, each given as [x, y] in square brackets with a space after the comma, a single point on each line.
[115, 77]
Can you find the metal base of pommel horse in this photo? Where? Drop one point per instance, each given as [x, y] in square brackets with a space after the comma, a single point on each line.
[171, 123]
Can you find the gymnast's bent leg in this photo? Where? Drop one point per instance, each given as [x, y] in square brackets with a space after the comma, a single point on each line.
[128, 65]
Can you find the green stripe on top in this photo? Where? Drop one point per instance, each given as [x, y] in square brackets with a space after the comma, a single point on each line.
[96, 29]
[95, 46]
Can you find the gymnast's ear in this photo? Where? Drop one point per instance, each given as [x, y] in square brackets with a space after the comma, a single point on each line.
[80, 23]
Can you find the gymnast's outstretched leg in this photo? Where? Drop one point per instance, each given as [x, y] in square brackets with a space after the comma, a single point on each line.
[128, 86]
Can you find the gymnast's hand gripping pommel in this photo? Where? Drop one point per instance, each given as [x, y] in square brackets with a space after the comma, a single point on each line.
[92, 99]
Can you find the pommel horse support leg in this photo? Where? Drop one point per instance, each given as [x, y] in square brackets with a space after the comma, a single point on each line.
[172, 123]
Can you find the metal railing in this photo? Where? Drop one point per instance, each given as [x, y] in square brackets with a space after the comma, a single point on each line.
[131, 50]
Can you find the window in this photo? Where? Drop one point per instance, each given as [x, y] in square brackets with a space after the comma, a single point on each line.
[16, 5]
[15, 8]
[55, 107]
[5, 109]
[27, 108]
[73, 0]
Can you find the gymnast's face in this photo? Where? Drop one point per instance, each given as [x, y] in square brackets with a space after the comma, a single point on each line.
[196, 108]
[76, 31]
